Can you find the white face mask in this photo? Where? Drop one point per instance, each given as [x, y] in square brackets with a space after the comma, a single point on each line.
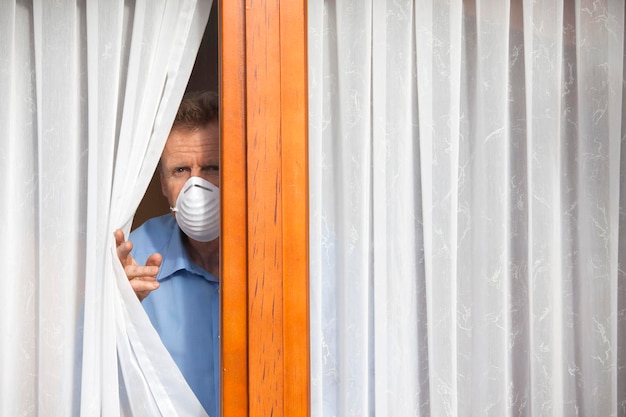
[198, 210]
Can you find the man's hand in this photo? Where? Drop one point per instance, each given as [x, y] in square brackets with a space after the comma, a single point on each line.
[142, 278]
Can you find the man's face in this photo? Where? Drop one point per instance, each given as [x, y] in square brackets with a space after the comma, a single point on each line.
[189, 154]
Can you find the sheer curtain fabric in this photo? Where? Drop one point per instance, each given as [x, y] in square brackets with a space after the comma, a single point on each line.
[466, 207]
[89, 91]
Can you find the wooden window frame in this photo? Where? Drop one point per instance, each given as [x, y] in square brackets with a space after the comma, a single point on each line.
[264, 174]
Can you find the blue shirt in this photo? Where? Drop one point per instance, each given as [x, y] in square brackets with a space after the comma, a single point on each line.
[184, 310]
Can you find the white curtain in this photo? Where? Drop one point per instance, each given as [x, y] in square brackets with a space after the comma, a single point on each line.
[88, 92]
[466, 169]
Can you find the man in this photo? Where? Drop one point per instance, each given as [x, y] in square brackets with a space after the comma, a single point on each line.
[183, 248]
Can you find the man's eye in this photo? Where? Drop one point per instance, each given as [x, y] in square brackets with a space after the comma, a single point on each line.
[180, 170]
[212, 168]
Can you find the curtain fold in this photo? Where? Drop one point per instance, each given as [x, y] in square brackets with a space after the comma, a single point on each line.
[465, 162]
[90, 90]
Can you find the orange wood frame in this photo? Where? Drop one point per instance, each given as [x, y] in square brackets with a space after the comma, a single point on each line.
[264, 172]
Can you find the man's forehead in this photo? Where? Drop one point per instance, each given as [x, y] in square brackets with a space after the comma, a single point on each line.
[190, 155]
[196, 156]
[194, 141]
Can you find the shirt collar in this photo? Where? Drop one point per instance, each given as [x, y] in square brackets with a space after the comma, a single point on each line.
[176, 258]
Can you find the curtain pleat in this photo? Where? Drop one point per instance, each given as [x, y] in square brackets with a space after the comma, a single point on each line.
[61, 160]
[19, 248]
[465, 162]
[397, 295]
[438, 168]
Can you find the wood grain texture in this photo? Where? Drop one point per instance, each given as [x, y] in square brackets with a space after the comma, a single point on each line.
[272, 163]
[265, 207]
[234, 264]
[294, 125]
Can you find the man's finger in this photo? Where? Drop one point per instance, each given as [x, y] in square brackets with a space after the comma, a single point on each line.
[139, 285]
[154, 260]
[143, 288]
[123, 250]
[123, 246]
[119, 237]
[146, 273]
